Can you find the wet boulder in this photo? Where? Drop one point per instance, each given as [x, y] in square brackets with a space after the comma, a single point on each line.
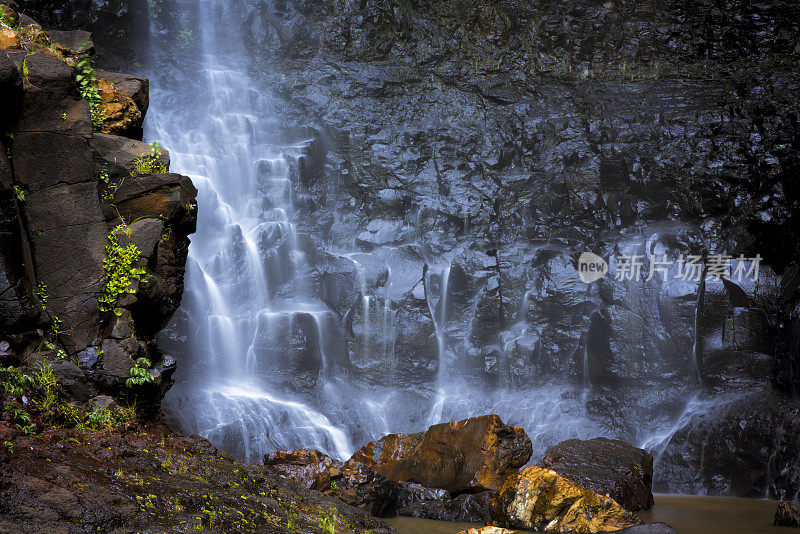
[787, 515]
[351, 482]
[301, 466]
[414, 500]
[8, 39]
[539, 499]
[360, 486]
[466, 456]
[121, 115]
[609, 467]
[136, 87]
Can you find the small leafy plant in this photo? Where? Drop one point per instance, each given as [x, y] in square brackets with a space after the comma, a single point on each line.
[185, 37]
[149, 163]
[140, 374]
[327, 521]
[19, 193]
[119, 270]
[41, 294]
[86, 78]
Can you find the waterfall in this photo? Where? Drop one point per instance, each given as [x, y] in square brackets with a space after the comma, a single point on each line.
[245, 246]
[262, 356]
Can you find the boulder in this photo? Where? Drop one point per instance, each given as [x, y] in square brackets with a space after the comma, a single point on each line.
[466, 456]
[609, 467]
[8, 39]
[539, 499]
[302, 466]
[414, 500]
[121, 115]
[72, 42]
[136, 87]
[787, 515]
[488, 530]
[360, 486]
[352, 482]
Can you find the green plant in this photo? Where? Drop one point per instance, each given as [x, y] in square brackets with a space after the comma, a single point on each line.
[5, 17]
[64, 116]
[327, 521]
[55, 326]
[119, 270]
[19, 193]
[334, 485]
[22, 421]
[41, 294]
[154, 6]
[293, 519]
[110, 188]
[185, 37]
[86, 78]
[139, 374]
[149, 163]
[9, 446]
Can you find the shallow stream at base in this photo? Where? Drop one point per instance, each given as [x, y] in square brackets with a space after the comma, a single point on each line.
[688, 514]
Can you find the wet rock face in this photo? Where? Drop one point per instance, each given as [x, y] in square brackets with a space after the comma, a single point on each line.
[67, 191]
[787, 515]
[540, 500]
[609, 467]
[465, 456]
[743, 447]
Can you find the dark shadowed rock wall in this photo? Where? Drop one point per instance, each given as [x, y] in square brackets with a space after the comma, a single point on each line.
[64, 189]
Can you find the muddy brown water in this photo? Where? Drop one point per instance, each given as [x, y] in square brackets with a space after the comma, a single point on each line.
[688, 514]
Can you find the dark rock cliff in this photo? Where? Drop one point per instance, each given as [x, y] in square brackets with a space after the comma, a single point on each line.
[66, 191]
[507, 138]
[512, 136]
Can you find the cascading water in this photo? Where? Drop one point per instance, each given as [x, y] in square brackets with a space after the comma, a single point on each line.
[264, 358]
[245, 246]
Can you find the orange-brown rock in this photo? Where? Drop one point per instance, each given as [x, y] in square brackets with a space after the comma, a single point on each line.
[351, 482]
[539, 499]
[34, 34]
[8, 39]
[121, 116]
[488, 530]
[470, 455]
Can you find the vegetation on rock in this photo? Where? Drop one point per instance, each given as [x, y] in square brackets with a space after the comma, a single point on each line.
[150, 162]
[120, 270]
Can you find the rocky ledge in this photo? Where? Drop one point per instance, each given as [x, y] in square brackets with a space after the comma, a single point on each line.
[468, 471]
[94, 227]
[145, 479]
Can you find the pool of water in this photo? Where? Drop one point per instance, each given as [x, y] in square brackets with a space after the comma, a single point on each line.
[688, 514]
